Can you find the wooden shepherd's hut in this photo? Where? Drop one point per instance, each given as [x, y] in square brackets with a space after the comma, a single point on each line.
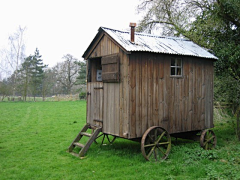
[136, 81]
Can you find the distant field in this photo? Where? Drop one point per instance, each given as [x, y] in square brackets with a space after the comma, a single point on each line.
[59, 97]
[34, 137]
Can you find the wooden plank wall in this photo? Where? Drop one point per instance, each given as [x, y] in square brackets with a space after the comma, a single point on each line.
[147, 96]
[95, 103]
[115, 95]
[116, 102]
[89, 103]
[177, 104]
[105, 47]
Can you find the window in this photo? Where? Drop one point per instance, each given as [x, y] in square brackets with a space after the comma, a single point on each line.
[176, 67]
[104, 69]
[94, 70]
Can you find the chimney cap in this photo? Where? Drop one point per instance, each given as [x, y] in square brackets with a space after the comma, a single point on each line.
[132, 25]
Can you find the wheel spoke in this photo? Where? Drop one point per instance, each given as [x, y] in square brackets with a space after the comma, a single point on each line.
[206, 147]
[150, 153]
[209, 134]
[208, 140]
[155, 154]
[212, 143]
[162, 151]
[149, 145]
[161, 136]
[164, 143]
[150, 138]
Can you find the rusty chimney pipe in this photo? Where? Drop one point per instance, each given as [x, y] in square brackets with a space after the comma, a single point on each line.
[132, 25]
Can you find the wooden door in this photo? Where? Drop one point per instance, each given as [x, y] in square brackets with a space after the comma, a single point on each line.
[95, 103]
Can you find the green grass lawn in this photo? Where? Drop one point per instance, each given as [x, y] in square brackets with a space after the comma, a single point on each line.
[34, 137]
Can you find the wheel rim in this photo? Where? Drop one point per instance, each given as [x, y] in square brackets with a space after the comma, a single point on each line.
[208, 139]
[155, 144]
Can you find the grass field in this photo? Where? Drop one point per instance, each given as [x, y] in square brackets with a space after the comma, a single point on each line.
[34, 137]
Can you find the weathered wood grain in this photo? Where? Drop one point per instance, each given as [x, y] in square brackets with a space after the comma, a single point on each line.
[132, 71]
[144, 89]
[177, 104]
[146, 95]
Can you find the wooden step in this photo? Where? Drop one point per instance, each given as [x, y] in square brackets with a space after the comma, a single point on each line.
[78, 137]
[89, 142]
[86, 134]
[92, 137]
[74, 154]
[78, 144]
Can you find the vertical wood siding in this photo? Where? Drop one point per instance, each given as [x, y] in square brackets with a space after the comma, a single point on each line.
[105, 47]
[116, 102]
[95, 103]
[147, 96]
[115, 95]
[177, 104]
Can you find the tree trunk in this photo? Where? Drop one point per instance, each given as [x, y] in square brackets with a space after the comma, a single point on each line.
[238, 125]
[43, 94]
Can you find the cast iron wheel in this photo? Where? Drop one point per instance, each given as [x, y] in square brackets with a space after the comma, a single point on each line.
[155, 144]
[208, 139]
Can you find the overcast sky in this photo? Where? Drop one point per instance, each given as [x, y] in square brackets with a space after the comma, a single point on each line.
[60, 27]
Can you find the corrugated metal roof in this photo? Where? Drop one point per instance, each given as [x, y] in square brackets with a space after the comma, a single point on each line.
[158, 44]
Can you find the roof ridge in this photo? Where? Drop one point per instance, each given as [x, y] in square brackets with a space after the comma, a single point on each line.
[148, 35]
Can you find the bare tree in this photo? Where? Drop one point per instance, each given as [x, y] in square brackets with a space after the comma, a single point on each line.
[49, 86]
[67, 73]
[13, 56]
[172, 17]
[24, 76]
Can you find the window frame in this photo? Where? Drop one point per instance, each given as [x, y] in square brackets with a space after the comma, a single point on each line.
[176, 67]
